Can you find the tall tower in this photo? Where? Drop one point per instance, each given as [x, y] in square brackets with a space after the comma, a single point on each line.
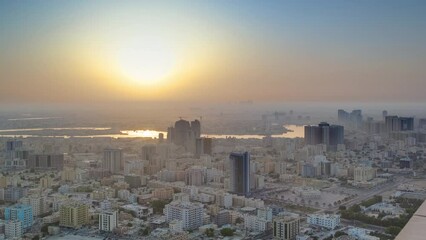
[240, 173]
[113, 160]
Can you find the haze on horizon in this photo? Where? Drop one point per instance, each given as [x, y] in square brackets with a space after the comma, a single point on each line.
[216, 51]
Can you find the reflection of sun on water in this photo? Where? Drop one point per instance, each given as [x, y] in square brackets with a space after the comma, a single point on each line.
[143, 133]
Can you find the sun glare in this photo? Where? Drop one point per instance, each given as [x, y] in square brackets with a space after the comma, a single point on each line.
[146, 63]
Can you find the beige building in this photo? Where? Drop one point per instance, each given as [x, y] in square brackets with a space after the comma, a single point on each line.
[163, 193]
[363, 174]
[46, 182]
[68, 175]
[74, 215]
[37, 203]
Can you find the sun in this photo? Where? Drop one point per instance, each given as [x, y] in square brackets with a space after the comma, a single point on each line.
[146, 62]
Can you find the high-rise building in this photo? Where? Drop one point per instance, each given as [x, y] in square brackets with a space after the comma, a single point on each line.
[73, 215]
[133, 180]
[13, 194]
[13, 229]
[286, 227]
[353, 119]
[13, 145]
[240, 173]
[363, 174]
[203, 146]
[184, 133]
[46, 182]
[324, 133]
[384, 114]
[108, 221]
[395, 124]
[46, 161]
[22, 213]
[148, 152]
[113, 160]
[195, 176]
[37, 203]
[191, 214]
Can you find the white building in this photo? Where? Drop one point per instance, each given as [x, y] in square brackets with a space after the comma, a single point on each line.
[265, 213]
[108, 221]
[363, 174]
[37, 203]
[324, 220]
[227, 200]
[13, 229]
[176, 226]
[255, 224]
[191, 214]
[361, 234]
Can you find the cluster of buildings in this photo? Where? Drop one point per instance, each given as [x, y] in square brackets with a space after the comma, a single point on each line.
[192, 186]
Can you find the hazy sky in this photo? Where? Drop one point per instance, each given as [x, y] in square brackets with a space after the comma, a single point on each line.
[100, 51]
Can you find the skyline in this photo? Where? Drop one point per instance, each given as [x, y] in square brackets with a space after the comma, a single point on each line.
[216, 52]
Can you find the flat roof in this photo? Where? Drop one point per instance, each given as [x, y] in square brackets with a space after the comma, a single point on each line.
[415, 228]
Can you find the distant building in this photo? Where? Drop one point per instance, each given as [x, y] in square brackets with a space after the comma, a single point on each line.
[405, 163]
[286, 227]
[13, 194]
[184, 133]
[195, 176]
[203, 146]
[46, 182]
[74, 215]
[395, 123]
[324, 220]
[363, 174]
[113, 160]
[240, 173]
[22, 213]
[133, 180]
[149, 152]
[324, 133]
[353, 119]
[46, 162]
[108, 221]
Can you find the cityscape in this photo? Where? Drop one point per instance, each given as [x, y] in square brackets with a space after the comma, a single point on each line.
[178, 120]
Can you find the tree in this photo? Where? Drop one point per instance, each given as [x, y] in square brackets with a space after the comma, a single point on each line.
[227, 232]
[393, 230]
[210, 232]
[339, 233]
[158, 206]
[238, 220]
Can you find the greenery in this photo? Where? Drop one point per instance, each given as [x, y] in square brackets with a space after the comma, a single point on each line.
[239, 220]
[394, 225]
[339, 233]
[227, 232]
[372, 201]
[382, 236]
[393, 230]
[44, 228]
[158, 206]
[145, 231]
[210, 232]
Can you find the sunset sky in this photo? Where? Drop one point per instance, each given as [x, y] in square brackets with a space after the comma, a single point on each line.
[215, 51]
